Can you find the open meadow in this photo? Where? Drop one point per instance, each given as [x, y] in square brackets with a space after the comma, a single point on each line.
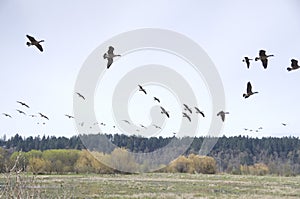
[152, 185]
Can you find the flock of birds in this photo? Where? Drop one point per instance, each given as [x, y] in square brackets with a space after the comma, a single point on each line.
[187, 110]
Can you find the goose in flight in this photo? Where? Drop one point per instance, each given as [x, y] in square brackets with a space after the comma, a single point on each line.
[222, 115]
[44, 116]
[249, 91]
[156, 99]
[187, 116]
[187, 108]
[110, 56]
[7, 115]
[294, 65]
[260, 128]
[247, 60]
[143, 126]
[79, 95]
[142, 89]
[21, 111]
[158, 127]
[32, 115]
[198, 111]
[23, 104]
[126, 121]
[69, 116]
[34, 42]
[163, 111]
[245, 129]
[284, 124]
[263, 58]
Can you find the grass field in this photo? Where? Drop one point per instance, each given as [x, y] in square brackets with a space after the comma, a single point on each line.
[159, 186]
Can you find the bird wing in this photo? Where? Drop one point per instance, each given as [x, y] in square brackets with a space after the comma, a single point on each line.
[109, 62]
[223, 117]
[110, 50]
[248, 63]
[264, 63]
[32, 39]
[202, 113]
[294, 63]
[262, 53]
[39, 46]
[249, 87]
[167, 114]
[186, 106]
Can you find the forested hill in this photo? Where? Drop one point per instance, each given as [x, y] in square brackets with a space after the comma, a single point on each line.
[229, 152]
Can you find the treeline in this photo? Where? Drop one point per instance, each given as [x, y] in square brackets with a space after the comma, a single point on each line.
[62, 161]
[237, 155]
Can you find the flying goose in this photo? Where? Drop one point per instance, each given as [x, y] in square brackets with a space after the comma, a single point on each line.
[163, 111]
[126, 121]
[143, 126]
[69, 116]
[247, 60]
[187, 108]
[156, 99]
[263, 58]
[158, 127]
[21, 111]
[142, 89]
[294, 65]
[110, 56]
[34, 42]
[44, 116]
[186, 115]
[6, 115]
[222, 115]
[249, 91]
[32, 115]
[198, 111]
[284, 124]
[23, 104]
[79, 95]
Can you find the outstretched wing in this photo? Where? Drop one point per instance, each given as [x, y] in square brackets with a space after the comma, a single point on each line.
[262, 53]
[249, 87]
[109, 62]
[32, 39]
[110, 50]
[39, 46]
[264, 63]
[294, 63]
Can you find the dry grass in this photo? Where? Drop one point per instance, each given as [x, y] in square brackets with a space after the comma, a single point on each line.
[163, 186]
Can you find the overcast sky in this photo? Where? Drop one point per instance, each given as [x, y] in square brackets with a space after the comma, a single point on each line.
[227, 30]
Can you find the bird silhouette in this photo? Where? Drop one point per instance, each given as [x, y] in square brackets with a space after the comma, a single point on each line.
[284, 124]
[22, 112]
[34, 42]
[245, 129]
[187, 108]
[7, 115]
[198, 111]
[69, 116]
[143, 126]
[44, 116]
[247, 60]
[187, 116]
[23, 104]
[158, 127]
[79, 95]
[156, 99]
[32, 115]
[263, 58]
[110, 56]
[163, 111]
[222, 115]
[260, 128]
[294, 65]
[126, 121]
[142, 89]
[249, 91]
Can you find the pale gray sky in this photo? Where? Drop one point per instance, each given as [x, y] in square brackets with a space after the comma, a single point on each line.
[227, 30]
